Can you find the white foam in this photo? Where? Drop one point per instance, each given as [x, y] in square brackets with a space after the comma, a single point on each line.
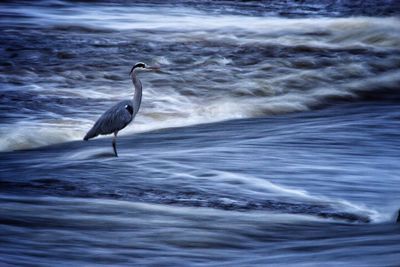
[165, 109]
[246, 94]
[178, 21]
[30, 135]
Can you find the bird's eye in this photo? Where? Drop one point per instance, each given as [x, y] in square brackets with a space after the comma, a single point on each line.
[126, 106]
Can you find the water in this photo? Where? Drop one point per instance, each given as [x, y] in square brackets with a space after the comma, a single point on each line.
[269, 137]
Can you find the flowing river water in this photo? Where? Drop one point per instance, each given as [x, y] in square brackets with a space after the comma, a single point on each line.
[269, 136]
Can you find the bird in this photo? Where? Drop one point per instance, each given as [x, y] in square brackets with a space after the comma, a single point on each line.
[121, 114]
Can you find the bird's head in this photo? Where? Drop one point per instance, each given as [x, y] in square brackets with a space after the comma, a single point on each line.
[143, 66]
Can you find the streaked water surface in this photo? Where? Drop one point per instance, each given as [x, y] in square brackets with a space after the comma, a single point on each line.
[270, 136]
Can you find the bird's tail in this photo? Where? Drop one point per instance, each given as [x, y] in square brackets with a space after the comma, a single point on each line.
[90, 134]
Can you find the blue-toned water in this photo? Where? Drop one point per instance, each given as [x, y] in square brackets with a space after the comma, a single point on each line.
[269, 137]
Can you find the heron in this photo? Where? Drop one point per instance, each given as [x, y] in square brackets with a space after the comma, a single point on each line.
[121, 114]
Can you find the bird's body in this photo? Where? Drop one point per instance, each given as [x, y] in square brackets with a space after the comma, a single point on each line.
[113, 120]
[121, 114]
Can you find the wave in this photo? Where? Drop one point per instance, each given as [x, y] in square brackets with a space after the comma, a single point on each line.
[260, 195]
[226, 67]
[295, 201]
[176, 110]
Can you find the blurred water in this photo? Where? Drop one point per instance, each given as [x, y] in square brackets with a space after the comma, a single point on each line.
[63, 67]
[269, 137]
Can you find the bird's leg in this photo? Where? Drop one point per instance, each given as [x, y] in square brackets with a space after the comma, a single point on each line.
[114, 143]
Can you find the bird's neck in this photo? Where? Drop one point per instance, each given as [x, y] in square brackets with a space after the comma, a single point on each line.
[137, 96]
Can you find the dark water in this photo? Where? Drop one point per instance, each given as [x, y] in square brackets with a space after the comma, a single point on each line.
[270, 136]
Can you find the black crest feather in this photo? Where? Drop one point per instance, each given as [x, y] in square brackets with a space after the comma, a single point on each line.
[138, 65]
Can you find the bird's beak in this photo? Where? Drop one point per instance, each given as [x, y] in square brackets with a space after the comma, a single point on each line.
[153, 68]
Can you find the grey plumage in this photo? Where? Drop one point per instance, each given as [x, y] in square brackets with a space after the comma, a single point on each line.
[114, 119]
[120, 115]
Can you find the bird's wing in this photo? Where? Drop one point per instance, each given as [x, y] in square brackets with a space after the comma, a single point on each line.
[114, 119]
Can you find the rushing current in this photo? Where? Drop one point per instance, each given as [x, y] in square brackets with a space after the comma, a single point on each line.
[270, 136]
